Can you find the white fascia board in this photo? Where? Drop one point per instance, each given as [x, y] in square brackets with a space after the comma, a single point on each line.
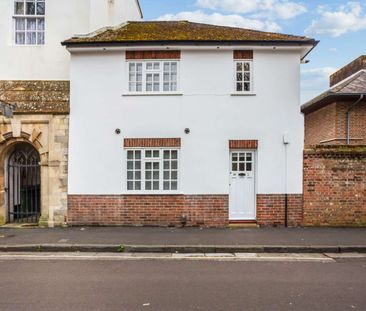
[301, 48]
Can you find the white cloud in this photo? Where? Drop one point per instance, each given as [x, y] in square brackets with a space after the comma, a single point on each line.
[346, 18]
[223, 20]
[275, 9]
[314, 81]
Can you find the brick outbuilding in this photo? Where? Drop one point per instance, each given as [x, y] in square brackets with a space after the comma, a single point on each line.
[335, 151]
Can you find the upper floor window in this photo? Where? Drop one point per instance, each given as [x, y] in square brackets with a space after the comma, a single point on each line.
[29, 22]
[149, 76]
[243, 76]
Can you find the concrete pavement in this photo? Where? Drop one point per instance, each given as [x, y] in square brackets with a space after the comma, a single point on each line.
[181, 285]
[184, 240]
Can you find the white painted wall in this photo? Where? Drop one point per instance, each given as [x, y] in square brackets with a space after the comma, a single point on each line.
[63, 19]
[96, 155]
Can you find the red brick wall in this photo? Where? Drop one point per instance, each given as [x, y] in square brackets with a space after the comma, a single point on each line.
[243, 144]
[153, 55]
[328, 125]
[271, 209]
[145, 210]
[151, 142]
[335, 186]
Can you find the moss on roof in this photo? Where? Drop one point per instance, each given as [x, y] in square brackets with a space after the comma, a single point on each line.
[180, 31]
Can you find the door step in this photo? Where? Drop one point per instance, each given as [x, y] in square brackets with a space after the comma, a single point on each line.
[243, 224]
[20, 225]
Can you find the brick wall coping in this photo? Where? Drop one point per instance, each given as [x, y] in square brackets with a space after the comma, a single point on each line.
[353, 150]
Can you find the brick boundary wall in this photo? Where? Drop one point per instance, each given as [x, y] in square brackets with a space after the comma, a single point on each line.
[148, 210]
[271, 209]
[335, 186]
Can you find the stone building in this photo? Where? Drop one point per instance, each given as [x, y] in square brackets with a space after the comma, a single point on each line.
[34, 85]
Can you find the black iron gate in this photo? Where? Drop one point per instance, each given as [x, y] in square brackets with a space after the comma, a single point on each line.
[24, 185]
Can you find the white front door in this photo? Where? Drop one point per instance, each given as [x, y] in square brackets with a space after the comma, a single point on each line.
[242, 186]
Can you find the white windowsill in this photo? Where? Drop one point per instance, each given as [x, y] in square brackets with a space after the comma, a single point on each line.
[152, 94]
[243, 94]
[153, 193]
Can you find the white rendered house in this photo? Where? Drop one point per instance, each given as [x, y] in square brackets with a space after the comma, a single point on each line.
[182, 123]
[34, 78]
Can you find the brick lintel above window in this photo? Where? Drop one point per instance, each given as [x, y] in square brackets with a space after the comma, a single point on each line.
[152, 142]
[243, 144]
[243, 54]
[130, 55]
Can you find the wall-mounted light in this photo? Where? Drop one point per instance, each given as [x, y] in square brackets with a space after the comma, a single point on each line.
[187, 130]
[117, 131]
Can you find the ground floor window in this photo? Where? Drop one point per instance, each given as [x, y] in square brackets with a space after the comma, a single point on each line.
[152, 169]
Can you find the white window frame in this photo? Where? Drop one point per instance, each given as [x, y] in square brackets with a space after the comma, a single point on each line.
[144, 159]
[25, 16]
[145, 72]
[251, 81]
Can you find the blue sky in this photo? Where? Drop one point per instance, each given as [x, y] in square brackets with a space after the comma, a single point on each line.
[339, 25]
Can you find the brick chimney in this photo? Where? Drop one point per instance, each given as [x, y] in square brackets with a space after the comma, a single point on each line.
[348, 70]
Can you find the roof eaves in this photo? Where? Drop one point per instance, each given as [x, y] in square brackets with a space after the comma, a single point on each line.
[87, 43]
[324, 99]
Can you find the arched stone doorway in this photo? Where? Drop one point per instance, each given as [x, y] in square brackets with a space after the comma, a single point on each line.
[23, 184]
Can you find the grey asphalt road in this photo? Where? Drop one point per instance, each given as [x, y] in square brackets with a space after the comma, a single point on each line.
[181, 285]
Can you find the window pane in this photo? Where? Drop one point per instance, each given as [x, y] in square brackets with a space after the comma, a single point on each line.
[149, 66]
[246, 66]
[247, 76]
[156, 166]
[174, 175]
[166, 175]
[156, 66]
[241, 167]
[20, 24]
[166, 154]
[148, 185]
[138, 175]
[239, 77]
[19, 8]
[20, 38]
[156, 175]
[30, 8]
[174, 67]
[130, 175]
[249, 167]
[129, 165]
[148, 166]
[166, 185]
[148, 153]
[174, 165]
[174, 185]
[40, 8]
[148, 175]
[246, 86]
[139, 67]
[156, 153]
[138, 165]
[239, 66]
[174, 154]
[156, 185]
[40, 38]
[31, 38]
[31, 24]
[239, 87]
[166, 67]
[138, 185]
[166, 165]
[138, 155]
[132, 67]
[129, 185]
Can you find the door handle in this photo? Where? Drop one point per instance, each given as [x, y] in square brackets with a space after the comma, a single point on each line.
[242, 175]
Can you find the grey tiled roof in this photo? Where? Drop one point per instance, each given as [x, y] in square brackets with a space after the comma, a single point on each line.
[355, 85]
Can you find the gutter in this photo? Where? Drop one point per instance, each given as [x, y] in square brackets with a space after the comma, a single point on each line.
[189, 42]
[348, 119]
